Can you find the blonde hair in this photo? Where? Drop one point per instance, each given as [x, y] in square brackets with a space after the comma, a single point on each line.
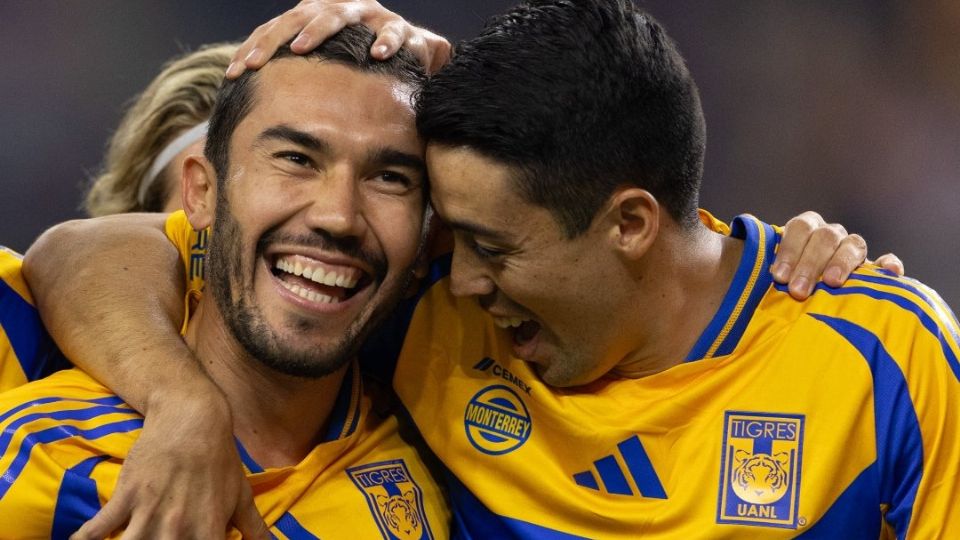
[179, 98]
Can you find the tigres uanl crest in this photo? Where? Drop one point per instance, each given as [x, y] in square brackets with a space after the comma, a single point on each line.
[760, 469]
[394, 499]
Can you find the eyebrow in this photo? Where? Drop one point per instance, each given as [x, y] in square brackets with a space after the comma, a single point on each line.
[476, 229]
[385, 156]
[289, 134]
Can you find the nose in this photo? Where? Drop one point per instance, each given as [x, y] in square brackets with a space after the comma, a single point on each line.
[337, 205]
[467, 277]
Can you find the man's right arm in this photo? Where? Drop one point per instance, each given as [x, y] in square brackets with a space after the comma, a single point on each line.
[125, 335]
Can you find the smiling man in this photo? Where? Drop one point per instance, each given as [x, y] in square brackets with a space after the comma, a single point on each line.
[647, 378]
[313, 186]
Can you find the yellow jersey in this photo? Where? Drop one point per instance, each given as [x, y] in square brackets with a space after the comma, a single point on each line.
[63, 440]
[26, 351]
[835, 417]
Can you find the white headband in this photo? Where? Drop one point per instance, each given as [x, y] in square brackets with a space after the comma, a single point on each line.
[176, 146]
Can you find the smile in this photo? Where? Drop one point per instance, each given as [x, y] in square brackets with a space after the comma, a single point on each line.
[318, 282]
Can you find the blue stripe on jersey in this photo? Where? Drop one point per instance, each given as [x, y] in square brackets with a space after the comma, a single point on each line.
[77, 500]
[612, 477]
[904, 303]
[945, 314]
[346, 407]
[36, 352]
[292, 529]
[855, 513]
[472, 520]
[71, 414]
[741, 293]
[247, 459]
[54, 434]
[641, 469]
[379, 353]
[112, 400]
[899, 442]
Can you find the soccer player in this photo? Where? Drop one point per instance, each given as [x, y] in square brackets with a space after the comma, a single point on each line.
[329, 182]
[578, 432]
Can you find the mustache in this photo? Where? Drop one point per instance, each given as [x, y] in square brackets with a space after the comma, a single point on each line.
[322, 240]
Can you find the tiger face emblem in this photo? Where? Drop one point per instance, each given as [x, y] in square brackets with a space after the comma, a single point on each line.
[400, 514]
[760, 478]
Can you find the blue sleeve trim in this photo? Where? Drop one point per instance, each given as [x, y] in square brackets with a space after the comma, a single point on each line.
[36, 352]
[77, 500]
[899, 442]
[54, 434]
[903, 303]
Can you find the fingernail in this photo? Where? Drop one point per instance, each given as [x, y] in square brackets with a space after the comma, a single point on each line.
[832, 275]
[802, 284]
[781, 271]
[233, 69]
[301, 41]
[381, 51]
[254, 56]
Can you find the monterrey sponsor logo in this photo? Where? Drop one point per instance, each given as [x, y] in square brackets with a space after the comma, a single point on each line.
[760, 469]
[394, 499]
[497, 421]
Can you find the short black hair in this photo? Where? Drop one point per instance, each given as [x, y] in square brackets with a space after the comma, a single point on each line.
[350, 47]
[578, 97]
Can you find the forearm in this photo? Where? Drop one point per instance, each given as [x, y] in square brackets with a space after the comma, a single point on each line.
[114, 314]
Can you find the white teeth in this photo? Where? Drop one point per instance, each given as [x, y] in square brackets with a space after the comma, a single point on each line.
[509, 322]
[332, 278]
[310, 295]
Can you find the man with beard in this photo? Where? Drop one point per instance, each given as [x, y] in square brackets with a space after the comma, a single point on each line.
[567, 430]
[315, 199]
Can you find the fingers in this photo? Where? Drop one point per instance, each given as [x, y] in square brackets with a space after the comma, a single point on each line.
[390, 37]
[247, 519]
[890, 262]
[315, 21]
[850, 254]
[113, 516]
[811, 248]
[796, 234]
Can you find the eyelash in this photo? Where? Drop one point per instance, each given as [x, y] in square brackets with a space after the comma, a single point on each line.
[485, 253]
[295, 157]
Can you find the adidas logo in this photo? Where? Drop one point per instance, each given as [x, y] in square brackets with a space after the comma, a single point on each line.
[611, 472]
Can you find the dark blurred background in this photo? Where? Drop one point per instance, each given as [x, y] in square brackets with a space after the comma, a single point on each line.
[850, 108]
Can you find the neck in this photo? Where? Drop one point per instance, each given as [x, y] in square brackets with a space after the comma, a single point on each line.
[681, 284]
[278, 418]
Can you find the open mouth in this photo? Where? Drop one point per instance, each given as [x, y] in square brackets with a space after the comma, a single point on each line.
[524, 333]
[318, 282]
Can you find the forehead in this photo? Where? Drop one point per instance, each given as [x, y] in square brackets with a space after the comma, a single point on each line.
[468, 187]
[335, 98]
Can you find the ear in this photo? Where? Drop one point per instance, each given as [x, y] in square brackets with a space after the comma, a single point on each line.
[633, 220]
[199, 188]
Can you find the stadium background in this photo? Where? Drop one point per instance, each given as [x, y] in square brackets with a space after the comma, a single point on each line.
[850, 108]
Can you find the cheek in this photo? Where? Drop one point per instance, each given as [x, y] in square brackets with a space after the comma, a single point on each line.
[397, 227]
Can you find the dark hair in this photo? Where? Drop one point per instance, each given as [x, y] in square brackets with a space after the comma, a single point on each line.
[578, 97]
[350, 47]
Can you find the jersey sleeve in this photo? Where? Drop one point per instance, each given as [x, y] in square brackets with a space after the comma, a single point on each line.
[27, 352]
[920, 452]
